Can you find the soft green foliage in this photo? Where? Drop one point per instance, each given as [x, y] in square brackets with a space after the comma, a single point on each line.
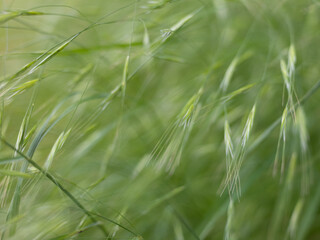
[162, 119]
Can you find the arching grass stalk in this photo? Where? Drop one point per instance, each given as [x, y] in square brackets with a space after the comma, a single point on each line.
[64, 190]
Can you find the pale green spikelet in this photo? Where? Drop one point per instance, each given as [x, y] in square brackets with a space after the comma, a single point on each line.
[232, 180]
[167, 152]
[56, 147]
[295, 217]
[228, 74]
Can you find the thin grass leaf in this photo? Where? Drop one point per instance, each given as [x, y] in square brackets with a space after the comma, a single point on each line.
[157, 4]
[125, 77]
[14, 173]
[308, 215]
[51, 54]
[92, 140]
[178, 230]
[301, 123]
[137, 238]
[43, 58]
[282, 137]
[6, 16]
[237, 92]
[283, 199]
[164, 198]
[116, 227]
[28, 136]
[75, 233]
[10, 160]
[143, 163]
[170, 58]
[23, 87]
[301, 128]
[83, 73]
[215, 216]
[36, 63]
[115, 223]
[228, 231]
[185, 224]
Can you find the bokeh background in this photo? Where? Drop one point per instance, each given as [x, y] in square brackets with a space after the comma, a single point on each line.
[133, 106]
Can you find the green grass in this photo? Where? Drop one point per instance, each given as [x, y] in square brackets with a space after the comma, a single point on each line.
[165, 119]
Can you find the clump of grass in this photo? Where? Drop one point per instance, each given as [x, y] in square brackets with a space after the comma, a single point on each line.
[86, 92]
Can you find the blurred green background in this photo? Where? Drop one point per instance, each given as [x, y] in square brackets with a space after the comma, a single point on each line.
[127, 104]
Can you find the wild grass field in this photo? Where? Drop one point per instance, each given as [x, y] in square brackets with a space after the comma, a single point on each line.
[163, 119]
